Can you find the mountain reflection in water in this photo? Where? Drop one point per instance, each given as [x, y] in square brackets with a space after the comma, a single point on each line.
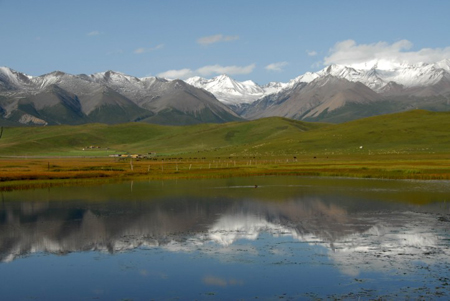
[356, 233]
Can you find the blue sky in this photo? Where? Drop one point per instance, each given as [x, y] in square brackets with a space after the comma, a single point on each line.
[259, 40]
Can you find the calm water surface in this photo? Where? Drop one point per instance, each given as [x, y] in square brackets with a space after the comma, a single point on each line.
[289, 238]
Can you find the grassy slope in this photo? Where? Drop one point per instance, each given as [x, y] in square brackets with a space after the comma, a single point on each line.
[142, 138]
[410, 132]
[415, 131]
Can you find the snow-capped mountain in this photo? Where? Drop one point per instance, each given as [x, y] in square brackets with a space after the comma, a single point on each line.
[336, 93]
[378, 76]
[107, 97]
[381, 87]
[274, 87]
[232, 92]
[13, 80]
[309, 100]
[339, 93]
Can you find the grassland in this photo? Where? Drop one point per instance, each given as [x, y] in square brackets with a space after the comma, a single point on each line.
[411, 145]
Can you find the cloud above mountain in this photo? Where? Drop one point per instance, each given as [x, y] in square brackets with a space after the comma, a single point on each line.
[278, 67]
[208, 71]
[178, 74]
[216, 39]
[350, 53]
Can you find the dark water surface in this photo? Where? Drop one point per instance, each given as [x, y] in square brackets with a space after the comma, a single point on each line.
[289, 238]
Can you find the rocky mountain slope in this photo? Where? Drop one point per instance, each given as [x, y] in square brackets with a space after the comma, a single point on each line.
[336, 93]
[108, 97]
[311, 100]
[340, 93]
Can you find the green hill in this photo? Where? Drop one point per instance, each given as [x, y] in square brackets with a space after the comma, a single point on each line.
[416, 131]
[410, 132]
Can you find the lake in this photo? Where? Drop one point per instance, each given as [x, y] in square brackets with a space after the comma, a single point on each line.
[238, 238]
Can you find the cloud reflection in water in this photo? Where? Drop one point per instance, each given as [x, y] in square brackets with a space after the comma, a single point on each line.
[356, 241]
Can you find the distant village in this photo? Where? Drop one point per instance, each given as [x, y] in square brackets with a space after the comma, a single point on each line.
[133, 156]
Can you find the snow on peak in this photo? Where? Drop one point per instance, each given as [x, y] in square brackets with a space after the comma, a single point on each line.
[375, 74]
[197, 81]
[114, 77]
[223, 77]
[230, 91]
[444, 64]
[5, 71]
[8, 74]
[378, 73]
[14, 78]
[305, 78]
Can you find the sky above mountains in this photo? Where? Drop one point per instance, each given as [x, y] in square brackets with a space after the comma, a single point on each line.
[258, 40]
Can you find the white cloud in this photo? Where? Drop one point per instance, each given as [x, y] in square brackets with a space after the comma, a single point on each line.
[311, 53]
[216, 38]
[182, 73]
[93, 33]
[278, 67]
[363, 55]
[230, 70]
[141, 50]
[208, 71]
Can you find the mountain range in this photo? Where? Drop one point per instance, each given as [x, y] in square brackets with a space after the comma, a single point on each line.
[108, 97]
[339, 93]
[336, 93]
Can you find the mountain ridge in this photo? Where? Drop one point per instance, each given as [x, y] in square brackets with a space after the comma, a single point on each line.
[406, 75]
[108, 97]
[336, 93]
[395, 87]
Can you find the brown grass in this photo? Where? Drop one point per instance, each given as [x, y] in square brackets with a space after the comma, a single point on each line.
[15, 172]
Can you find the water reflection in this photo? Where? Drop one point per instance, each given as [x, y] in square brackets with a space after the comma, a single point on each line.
[290, 235]
[115, 227]
[357, 234]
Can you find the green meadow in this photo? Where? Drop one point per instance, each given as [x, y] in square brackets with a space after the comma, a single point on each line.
[409, 145]
[413, 132]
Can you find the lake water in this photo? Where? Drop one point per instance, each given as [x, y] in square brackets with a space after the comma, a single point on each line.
[286, 238]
